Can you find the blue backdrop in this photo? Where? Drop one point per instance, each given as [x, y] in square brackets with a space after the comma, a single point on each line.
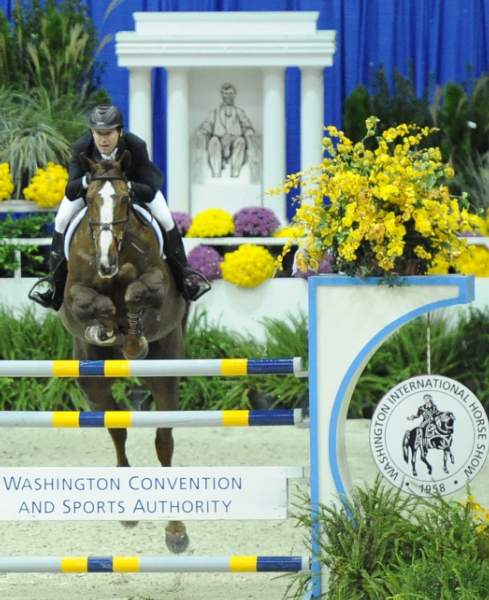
[441, 40]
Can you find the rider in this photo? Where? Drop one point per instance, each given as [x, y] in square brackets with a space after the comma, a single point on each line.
[107, 140]
[428, 411]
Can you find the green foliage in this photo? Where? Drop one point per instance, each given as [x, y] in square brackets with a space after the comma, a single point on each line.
[27, 227]
[462, 119]
[285, 339]
[384, 545]
[464, 123]
[30, 339]
[205, 340]
[51, 46]
[401, 105]
[49, 78]
[35, 130]
[459, 350]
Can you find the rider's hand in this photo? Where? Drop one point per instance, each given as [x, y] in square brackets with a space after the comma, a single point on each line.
[87, 178]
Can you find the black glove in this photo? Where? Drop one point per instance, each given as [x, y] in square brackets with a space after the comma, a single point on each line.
[88, 178]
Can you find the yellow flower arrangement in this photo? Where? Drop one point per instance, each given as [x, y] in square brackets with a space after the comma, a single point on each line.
[248, 266]
[474, 262]
[379, 205]
[6, 182]
[47, 187]
[214, 222]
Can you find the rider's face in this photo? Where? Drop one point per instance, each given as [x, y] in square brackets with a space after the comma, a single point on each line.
[106, 141]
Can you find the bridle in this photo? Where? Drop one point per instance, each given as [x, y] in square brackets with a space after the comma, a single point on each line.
[108, 225]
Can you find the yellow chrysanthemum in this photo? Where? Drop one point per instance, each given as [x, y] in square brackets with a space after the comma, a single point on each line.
[6, 182]
[47, 187]
[248, 266]
[287, 231]
[214, 222]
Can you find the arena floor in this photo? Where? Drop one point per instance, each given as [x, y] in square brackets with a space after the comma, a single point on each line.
[198, 447]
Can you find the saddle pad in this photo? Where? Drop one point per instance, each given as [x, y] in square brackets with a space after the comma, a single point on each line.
[147, 216]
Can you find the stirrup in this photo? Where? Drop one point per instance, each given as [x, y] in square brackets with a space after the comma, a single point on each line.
[44, 298]
[194, 285]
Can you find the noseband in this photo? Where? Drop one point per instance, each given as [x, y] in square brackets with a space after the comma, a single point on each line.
[108, 225]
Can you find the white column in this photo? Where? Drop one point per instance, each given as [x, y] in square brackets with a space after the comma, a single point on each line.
[274, 139]
[312, 116]
[141, 105]
[178, 162]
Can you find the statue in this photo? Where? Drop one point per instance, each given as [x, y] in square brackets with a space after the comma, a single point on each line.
[228, 137]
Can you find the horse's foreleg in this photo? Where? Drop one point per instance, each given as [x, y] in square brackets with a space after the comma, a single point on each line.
[165, 394]
[425, 460]
[176, 537]
[96, 314]
[146, 292]
[414, 452]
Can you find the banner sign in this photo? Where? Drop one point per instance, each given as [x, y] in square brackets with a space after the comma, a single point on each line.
[84, 493]
[429, 435]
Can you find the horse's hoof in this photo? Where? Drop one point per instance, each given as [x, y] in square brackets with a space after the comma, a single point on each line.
[129, 524]
[98, 335]
[135, 347]
[177, 541]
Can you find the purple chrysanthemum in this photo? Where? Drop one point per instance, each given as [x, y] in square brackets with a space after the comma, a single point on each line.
[207, 260]
[182, 221]
[255, 221]
[325, 266]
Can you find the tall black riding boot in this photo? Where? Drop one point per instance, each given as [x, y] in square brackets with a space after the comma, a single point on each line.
[49, 290]
[190, 283]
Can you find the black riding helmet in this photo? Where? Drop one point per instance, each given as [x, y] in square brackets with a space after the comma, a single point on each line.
[105, 117]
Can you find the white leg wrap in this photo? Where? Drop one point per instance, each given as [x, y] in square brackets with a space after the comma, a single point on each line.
[67, 210]
[160, 211]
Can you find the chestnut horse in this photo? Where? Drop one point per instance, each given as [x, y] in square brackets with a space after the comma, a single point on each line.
[120, 301]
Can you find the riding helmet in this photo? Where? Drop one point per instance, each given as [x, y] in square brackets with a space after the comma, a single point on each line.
[104, 117]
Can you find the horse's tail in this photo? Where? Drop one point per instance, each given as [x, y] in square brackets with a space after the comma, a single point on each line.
[405, 446]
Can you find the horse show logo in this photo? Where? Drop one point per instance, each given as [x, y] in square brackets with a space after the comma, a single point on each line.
[429, 435]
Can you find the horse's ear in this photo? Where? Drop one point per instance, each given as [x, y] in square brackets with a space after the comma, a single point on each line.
[125, 161]
[88, 163]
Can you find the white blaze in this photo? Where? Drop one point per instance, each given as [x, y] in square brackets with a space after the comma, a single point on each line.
[106, 216]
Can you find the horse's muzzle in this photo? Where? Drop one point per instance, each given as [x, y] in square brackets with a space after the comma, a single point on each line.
[107, 271]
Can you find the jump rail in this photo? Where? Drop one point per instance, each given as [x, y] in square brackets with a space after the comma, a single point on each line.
[153, 564]
[226, 367]
[123, 419]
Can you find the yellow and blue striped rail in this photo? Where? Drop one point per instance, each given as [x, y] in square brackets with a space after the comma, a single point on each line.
[123, 418]
[225, 367]
[153, 564]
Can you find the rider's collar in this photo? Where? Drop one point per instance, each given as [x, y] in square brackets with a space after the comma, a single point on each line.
[110, 156]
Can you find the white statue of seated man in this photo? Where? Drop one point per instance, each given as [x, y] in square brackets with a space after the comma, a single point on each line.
[228, 133]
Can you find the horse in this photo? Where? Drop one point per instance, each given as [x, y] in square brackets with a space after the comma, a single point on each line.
[437, 435]
[121, 301]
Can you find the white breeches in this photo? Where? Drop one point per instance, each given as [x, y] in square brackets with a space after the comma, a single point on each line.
[160, 211]
[157, 207]
[66, 211]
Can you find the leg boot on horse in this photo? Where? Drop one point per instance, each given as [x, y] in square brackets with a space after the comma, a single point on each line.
[48, 291]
